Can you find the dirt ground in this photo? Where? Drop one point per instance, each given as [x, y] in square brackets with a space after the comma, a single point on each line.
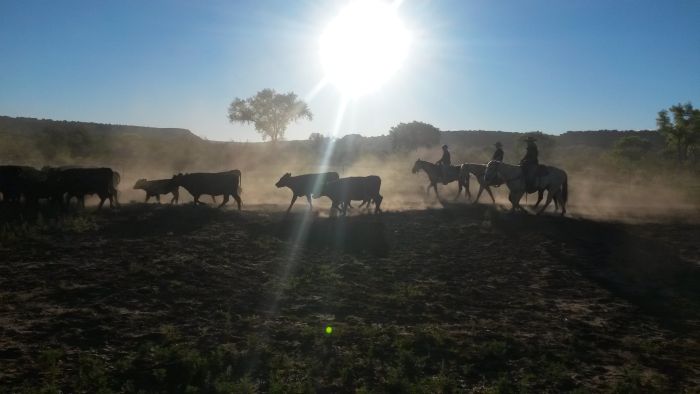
[458, 298]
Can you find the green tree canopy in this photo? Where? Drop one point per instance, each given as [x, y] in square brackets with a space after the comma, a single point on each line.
[414, 135]
[632, 147]
[683, 132]
[269, 111]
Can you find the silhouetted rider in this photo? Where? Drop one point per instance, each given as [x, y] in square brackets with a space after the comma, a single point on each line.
[444, 163]
[529, 163]
[498, 154]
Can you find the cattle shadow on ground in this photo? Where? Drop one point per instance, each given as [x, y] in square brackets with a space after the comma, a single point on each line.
[646, 272]
[355, 234]
[143, 220]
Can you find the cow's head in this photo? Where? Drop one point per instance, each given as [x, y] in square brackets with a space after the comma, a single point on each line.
[140, 184]
[176, 179]
[284, 181]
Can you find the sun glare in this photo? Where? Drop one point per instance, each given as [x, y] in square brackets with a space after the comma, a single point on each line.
[363, 46]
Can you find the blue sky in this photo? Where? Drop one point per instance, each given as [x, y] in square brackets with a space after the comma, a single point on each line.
[515, 65]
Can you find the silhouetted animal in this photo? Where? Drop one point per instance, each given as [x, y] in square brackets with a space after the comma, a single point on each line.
[478, 171]
[435, 175]
[40, 184]
[79, 182]
[11, 182]
[344, 190]
[214, 184]
[158, 187]
[552, 179]
[305, 185]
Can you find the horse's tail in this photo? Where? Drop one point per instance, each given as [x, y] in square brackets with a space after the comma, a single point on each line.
[565, 189]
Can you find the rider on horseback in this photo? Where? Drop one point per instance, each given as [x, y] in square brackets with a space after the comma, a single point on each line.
[529, 163]
[498, 154]
[444, 163]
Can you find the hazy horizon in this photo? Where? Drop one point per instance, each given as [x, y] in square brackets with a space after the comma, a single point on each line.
[545, 66]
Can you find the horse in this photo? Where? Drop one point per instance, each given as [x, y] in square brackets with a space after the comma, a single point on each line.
[478, 171]
[554, 181]
[434, 172]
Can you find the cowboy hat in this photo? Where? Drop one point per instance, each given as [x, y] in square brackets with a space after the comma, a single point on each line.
[444, 147]
[498, 144]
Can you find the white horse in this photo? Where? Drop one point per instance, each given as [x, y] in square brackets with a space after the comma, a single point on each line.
[555, 182]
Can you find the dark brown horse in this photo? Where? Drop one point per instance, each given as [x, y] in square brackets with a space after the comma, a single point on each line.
[435, 176]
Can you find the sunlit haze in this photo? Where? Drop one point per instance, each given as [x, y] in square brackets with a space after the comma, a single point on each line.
[510, 65]
[363, 46]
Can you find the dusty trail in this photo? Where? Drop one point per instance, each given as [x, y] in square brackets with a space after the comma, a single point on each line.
[464, 296]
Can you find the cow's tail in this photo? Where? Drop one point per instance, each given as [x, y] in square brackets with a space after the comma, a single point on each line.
[116, 178]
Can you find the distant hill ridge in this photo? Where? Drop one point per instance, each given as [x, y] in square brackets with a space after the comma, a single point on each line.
[29, 127]
[10, 125]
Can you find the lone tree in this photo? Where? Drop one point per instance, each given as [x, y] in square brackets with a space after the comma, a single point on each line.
[414, 135]
[684, 131]
[269, 111]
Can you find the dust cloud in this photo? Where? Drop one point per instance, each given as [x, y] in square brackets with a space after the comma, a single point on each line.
[597, 189]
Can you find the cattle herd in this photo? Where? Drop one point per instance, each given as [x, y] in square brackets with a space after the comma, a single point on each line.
[59, 185]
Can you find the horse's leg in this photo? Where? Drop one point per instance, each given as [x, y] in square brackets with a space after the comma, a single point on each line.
[546, 204]
[459, 191]
[308, 198]
[436, 192]
[540, 193]
[478, 194]
[488, 190]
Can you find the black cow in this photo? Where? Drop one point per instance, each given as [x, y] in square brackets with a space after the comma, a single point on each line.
[215, 184]
[11, 184]
[158, 187]
[359, 188]
[79, 182]
[40, 184]
[305, 185]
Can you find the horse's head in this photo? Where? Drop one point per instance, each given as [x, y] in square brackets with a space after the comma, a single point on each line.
[284, 181]
[417, 166]
[491, 172]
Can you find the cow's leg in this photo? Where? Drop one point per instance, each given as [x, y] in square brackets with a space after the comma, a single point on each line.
[308, 198]
[158, 198]
[176, 196]
[102, 201]
[213, 198]
[225, 200]
[196, 199]
[148, 196]
[377, 202]
[345, 207]
[294, 198]
[238, 199]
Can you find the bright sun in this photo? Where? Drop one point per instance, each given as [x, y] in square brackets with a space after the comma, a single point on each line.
[363, 46]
